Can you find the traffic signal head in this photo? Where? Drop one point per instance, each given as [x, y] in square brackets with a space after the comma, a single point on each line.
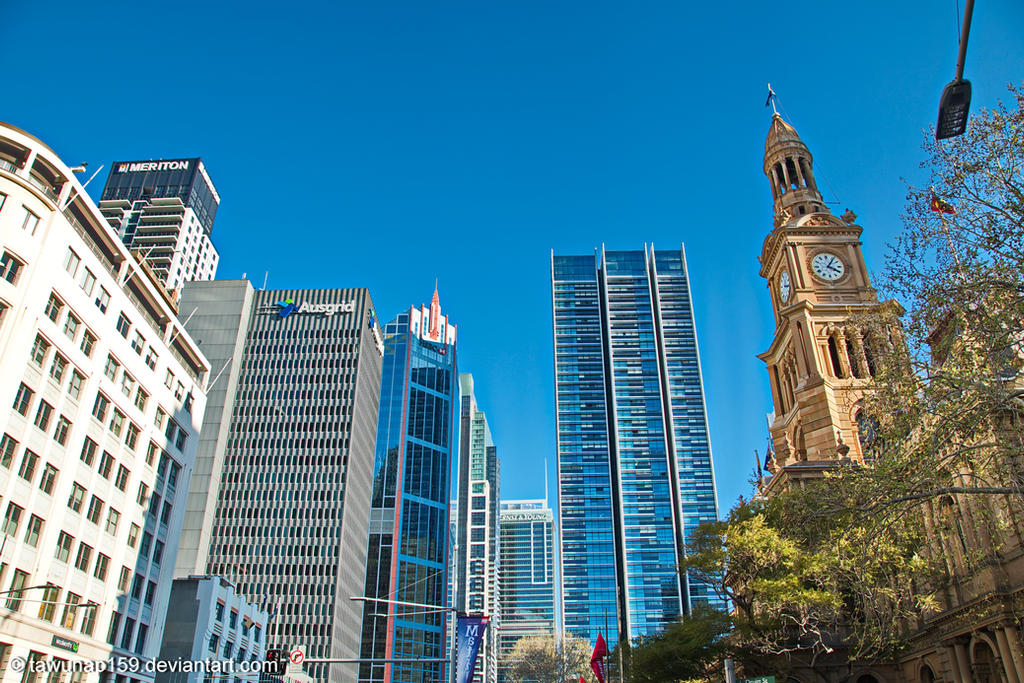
[277, 662]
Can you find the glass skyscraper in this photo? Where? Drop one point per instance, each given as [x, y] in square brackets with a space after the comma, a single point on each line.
[407, 558]
[526, 574]
[634, 461]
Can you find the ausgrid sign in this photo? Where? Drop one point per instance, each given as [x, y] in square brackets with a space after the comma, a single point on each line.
[288, 306]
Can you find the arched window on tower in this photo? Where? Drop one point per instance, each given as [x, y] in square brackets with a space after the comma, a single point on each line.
[871, 445]
[949, 513]
[851, 354]
[833, 355]
[805, 169]
[869, 357]
[794, 177]
[780, 178]
[778, 389]
[799, 445]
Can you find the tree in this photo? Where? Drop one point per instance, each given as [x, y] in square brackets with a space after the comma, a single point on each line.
[851, 561]
[686, 650]
[542, 659]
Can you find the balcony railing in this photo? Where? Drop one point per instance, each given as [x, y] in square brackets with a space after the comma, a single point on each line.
[8, 166]
[144, 308]
[89, 240]
[44, 186]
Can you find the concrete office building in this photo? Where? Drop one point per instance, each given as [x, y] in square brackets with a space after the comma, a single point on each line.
[101, 395]
[208, 619]
[165, 210]
[407, 560]
[634, 461]
[526, 574]
[280, 501]
[476, 566]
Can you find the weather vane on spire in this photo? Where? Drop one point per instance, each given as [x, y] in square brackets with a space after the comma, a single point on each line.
[771, 99]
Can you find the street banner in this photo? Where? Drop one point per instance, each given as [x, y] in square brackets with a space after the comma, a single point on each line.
[468, 636]
[597, 659]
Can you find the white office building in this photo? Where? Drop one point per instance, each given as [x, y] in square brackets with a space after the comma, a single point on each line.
[101, 395]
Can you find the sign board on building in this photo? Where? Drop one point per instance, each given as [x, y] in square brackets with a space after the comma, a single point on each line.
[65, 643]
[148, 166]
[288, 307]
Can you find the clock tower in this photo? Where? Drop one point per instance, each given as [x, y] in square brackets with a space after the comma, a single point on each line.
[820, 358]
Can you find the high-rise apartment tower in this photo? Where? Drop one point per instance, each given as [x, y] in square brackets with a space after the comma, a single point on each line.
[476, 581]
[634, 461]
[164, 210]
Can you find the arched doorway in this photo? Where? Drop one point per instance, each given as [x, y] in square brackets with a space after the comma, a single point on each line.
[926, 675]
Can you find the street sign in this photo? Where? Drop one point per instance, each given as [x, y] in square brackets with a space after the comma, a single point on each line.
[65, 643]
[295, 657]
[759, 679]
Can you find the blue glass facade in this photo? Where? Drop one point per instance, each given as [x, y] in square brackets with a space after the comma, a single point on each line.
[634, 460]
[585, 510]
[408, 540]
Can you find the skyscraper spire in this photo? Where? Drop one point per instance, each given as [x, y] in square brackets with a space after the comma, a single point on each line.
[435, 312]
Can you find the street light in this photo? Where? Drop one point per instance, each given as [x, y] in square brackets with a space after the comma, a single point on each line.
[955, 103]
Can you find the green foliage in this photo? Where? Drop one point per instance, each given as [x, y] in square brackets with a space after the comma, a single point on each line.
[797, 568]
[686, 650]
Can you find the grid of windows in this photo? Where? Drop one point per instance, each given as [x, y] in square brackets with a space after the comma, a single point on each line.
[527, 572]
[624, 329]
[282, 497]
[584, 465]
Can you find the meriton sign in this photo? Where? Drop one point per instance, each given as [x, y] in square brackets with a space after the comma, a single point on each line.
[144, 166]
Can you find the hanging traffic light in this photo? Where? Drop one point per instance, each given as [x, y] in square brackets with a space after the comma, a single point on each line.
[277, 663]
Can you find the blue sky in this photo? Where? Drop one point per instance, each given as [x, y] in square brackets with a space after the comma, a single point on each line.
[388, 144]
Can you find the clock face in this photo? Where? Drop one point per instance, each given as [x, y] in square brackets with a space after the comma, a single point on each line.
[784, 286]
[827, 266]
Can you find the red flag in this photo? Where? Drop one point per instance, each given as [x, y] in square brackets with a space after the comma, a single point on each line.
[581, 680]
[597, 659]
[940, 205]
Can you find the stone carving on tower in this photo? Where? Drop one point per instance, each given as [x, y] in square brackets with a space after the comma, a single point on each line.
[820, 357]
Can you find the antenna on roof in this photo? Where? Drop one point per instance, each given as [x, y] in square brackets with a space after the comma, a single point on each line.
[545, 481]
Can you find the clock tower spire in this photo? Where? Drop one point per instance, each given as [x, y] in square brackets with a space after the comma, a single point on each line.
[788, 165]
[820, 358]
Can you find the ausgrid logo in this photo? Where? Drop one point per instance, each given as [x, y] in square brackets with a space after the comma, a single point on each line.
[287, 308]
